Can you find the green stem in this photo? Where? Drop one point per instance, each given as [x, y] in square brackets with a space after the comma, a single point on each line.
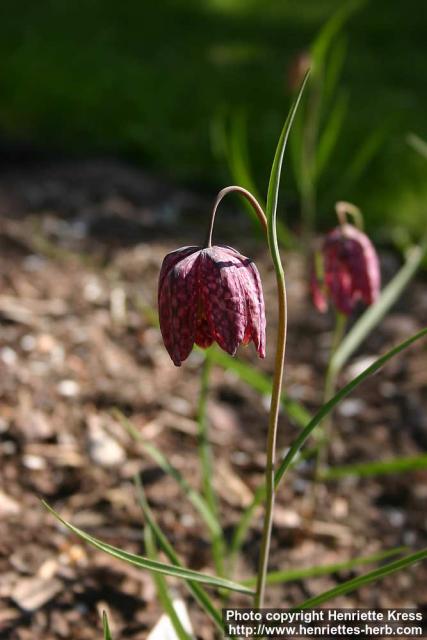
[205, 455]
[271, 439]
[272, 200]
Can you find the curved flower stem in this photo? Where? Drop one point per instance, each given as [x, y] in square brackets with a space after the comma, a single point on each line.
[247, 194]
[345, 209]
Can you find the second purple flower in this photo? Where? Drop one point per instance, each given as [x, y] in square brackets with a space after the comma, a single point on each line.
[349, 268]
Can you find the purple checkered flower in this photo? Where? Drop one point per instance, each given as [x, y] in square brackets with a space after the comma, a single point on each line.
[210, 295]
[349, 271]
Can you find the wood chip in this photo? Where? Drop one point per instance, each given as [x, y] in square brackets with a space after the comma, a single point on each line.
[32, 593]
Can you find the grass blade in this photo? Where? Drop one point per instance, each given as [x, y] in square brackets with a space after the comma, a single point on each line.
[151, 565]
[418, 144]
[327, 408]
[276, 169]
[363, 156]
[361, 581]
[375, 313]
[198, 592]
[279, 577]
[331, 132]
[382, 467]
[163, 593]
[324, 39]
[196, 499]
[106, 627]
[246, 518]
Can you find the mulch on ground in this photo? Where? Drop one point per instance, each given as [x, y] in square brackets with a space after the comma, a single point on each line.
[81, 244]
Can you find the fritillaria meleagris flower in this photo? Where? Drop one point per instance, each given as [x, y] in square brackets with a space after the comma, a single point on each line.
[208, 295]
[347, 270]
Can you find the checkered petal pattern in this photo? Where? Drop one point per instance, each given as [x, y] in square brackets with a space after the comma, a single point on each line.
[351, 271]
[210, 295]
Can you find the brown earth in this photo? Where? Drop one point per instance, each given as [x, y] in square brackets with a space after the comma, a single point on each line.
[81, 246]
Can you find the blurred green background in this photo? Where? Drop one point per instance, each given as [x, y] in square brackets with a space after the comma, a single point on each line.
[161, 83]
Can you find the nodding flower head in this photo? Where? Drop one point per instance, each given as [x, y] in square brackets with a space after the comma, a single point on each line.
[346, 270]
[210, 295]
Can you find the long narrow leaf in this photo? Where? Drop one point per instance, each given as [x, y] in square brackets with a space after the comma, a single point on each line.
[163, 593]
[375, 313]
[418, 144]
[363, 156]
[196, 499]
[279, 577]
[327, 408]
[331, 132]
[246, 518]
[361, 581]
[276, 169]
[334, 68]
[382, 467]
[198, 592]
[106, 627]
[151, 565]
[323, 41]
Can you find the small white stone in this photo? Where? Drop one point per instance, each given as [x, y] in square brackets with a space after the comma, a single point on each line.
[103, 449]
[187, 520]
[8, 356]
[92, 290]
[28, 342]
[351, 407]
[35, 463]
[68, 388]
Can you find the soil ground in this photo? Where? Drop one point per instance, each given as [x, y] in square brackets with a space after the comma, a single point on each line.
[81, 246]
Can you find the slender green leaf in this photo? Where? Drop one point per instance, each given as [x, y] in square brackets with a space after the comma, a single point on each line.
[106, 627]
[418, 144]
[331, 132]
[151, 565]
[363, 156]
[361, 581]
[376, 312]
[247, 515]
[334, 68]
[163, 593]
[382, 467]
[260, 382]
[198, 591]
[327, 408]
[279, 577]
[196, 499]
[322, 43]
[276, 169]
[239, 157]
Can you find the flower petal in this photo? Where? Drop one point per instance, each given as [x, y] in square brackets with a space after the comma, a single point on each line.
[223, 297]
[255, 327]
[177, 307]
